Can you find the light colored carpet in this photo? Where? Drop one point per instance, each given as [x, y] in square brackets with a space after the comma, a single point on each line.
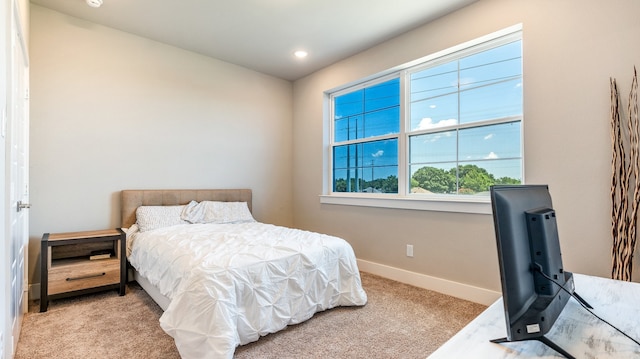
[399, 321]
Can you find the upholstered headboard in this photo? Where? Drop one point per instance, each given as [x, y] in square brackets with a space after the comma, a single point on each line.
[132, 199]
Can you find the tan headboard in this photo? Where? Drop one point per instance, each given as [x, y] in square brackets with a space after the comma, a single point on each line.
[132, 199]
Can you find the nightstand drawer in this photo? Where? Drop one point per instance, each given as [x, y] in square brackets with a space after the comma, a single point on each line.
[83, 275]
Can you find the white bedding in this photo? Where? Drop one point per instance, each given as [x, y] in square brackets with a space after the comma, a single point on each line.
[229, 284]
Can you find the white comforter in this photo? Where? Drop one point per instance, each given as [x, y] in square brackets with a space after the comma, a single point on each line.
[229, 284]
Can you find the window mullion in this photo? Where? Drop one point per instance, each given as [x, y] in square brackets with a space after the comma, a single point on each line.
[403, 142]
[458, 133]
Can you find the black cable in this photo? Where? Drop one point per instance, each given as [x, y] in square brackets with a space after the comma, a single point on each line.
[538, 268]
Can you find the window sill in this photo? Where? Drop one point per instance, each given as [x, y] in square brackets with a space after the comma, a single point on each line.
[462, 204]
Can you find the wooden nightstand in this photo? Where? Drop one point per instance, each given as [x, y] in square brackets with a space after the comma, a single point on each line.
[82, 262]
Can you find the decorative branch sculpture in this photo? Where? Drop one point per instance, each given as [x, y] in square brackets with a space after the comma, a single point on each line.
[625, 166]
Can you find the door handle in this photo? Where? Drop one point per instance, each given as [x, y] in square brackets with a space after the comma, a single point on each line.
[22, 206]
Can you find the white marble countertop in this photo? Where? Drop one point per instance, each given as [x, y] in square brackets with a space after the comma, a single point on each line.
[576, 330]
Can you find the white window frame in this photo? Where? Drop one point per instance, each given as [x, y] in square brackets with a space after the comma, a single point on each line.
[402, 200]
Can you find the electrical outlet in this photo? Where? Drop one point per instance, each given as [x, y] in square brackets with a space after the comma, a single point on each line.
[409, 250]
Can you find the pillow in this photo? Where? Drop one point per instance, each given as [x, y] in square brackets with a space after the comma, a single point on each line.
[154, 217]
[129, 233]
[217, 212]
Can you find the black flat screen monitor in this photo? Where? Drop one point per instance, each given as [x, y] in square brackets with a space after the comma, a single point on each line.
[528, 246]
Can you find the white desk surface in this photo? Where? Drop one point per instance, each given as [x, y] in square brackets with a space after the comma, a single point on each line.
[577, 331]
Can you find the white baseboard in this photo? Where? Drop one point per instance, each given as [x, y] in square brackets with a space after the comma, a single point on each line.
[459, 290]
[34, 291]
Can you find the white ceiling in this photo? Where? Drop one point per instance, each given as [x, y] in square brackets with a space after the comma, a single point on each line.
[263, 34]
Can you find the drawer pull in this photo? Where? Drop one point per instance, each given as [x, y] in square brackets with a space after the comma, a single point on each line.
[87, 276]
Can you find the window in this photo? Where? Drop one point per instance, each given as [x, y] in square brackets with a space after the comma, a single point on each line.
[466, 116]
[366, 130]
[447, 127]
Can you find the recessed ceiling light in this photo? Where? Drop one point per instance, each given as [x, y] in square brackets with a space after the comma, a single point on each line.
[94, 3]
[301, 54]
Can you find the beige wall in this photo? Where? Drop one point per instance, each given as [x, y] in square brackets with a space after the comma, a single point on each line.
[112, 111]
[571, 48]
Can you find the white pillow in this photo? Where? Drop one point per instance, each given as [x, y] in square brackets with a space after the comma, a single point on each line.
[154, 217]
[217, 212]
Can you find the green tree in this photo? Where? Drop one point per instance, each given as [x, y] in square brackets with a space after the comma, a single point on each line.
[434, 179]
[384, 185]
[474, 179]
[390, 185]
[507, 180]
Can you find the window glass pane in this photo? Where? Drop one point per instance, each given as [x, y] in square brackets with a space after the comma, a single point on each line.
[490, 142]
[434, 112]
[433, 148]
[340, 158]
[435, 178]
[468, 178]
[383, 122]
[488, 155]
[491, 84]
[381, 96]
[473, 178]
[339, 180]
[366, 167]
[476, 177]
[500, 100]
[349, 104]
[369, 112]
[435, 81]
[348, 128]
[490, 73]
[349, 180]
[505, 171]
[496, 54]
[381, 153]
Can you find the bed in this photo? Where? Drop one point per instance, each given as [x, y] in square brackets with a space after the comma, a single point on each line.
[222, 278]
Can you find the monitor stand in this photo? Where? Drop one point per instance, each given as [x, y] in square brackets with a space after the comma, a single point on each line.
[546, 341]
[541, 339]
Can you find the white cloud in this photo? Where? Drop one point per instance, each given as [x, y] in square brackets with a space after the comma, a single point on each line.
[427, 123]
[491, 156]
[466, 81]
[378, 154]
[489, 136]
[436, 136]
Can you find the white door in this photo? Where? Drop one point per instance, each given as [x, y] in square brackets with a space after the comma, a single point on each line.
[17, 175]
[4, 242]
